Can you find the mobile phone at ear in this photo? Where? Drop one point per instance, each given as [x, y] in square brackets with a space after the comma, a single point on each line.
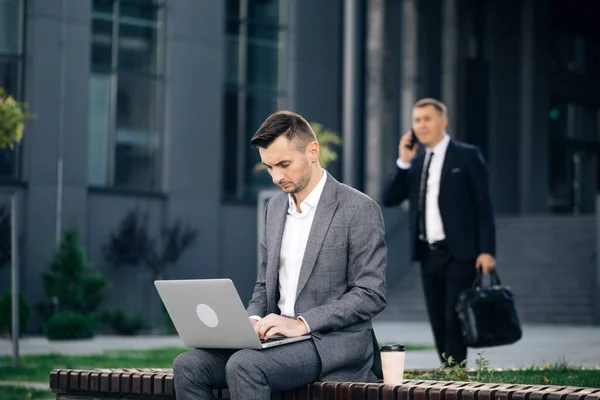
[413, 140]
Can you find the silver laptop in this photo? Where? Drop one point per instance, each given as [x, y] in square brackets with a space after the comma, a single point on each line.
[208, 313]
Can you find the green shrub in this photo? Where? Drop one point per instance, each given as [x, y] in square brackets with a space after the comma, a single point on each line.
[69, 325]
[6, 313]
[70, 279]
[70, 285]
[121, 323]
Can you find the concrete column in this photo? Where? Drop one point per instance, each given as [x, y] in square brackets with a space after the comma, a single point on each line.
[527, 103]
[291, 64]
[57, 65]
[193, 127]
[596, 309]
[352, 91]
[450, 62]
[534, 107]
[409, 76]
[381, 124]
[375, 98]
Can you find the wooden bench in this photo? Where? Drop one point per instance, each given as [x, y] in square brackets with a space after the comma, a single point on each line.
[157, 384]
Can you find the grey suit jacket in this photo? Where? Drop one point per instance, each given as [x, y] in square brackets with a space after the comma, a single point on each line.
[342, 279]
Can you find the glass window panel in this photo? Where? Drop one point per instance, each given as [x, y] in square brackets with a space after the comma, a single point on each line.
[233, 9]
[136, 103]
[560, 178]
[135, 166]
[138, 46]
[233, 50]
[9, 75]
[253, 66]
[571, 52]
[103, 6]
[136, 139]
[101, 43]
[98, 141]
[573, 157]
[7, 163]
[145, 3]
[231, 141]
[138, 37]
[585, 180]
[142, 11]
[9, 26]
[263, 57]
[265, 11]
[574, 121]
[258, 108]
[131, 154]
[583, 122]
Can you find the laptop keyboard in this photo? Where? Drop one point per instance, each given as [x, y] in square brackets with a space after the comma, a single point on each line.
[273, 338]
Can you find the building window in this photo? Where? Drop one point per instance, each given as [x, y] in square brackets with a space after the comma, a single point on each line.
[256, 32]
[126, 94]
[574, 157]
[11, 58]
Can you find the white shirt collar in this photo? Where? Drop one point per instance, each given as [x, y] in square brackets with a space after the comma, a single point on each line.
[441, 147]
[312, 199]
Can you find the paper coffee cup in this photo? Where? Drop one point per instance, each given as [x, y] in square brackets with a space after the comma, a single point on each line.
[392, 363]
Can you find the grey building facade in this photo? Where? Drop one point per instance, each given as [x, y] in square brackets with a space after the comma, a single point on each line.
[150, 104]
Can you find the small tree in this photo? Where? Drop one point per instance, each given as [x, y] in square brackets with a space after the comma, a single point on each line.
[129, 244]
[133, 245]
[70, 284]
[13, 115]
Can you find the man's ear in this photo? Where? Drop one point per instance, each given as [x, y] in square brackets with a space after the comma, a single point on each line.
[313, 150]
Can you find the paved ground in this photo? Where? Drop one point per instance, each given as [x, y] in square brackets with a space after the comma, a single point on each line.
[541, 344]
[30, 385]
[578, 345]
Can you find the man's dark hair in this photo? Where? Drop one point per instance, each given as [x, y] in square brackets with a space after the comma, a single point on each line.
[287, 123]
[438, 105]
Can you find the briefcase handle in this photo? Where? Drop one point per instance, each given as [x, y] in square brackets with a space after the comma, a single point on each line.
[494, 279]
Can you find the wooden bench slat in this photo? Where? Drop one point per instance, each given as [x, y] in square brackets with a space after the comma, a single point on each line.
[157, 384]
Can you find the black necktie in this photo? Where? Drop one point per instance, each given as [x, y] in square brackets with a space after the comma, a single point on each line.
[422, 195]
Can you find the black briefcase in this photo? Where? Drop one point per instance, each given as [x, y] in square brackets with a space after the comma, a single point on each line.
[487, 314]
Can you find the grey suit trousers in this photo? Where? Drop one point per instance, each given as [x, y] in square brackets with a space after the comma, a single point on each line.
[249, 374]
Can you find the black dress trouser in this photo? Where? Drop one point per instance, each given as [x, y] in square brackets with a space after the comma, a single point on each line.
[443, 279]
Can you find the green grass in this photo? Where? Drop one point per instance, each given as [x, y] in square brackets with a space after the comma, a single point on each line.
[572, 377]
[560, 374]
[20, 393]
[37, 368]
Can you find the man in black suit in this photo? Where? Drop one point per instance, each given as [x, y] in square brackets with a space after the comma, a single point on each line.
[452, 230]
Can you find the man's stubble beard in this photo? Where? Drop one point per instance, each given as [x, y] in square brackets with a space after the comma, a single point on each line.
[301, 185]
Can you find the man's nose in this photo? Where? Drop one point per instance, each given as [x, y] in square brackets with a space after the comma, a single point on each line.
[277, 177]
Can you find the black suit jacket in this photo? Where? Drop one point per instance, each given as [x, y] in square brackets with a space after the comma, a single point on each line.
[464, 201]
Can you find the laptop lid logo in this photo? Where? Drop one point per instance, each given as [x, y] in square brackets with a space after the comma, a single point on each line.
[207, 315]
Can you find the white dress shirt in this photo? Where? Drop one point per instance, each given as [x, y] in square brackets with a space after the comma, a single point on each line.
[293, 245]
[433, 219]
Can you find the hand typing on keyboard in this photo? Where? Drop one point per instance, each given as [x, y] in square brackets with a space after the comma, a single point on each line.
[274, 324]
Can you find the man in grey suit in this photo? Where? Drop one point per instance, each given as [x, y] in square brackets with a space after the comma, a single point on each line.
[322, 271]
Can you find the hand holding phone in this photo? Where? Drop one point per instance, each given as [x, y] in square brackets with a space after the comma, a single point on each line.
[408, 146]
[413, 140]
